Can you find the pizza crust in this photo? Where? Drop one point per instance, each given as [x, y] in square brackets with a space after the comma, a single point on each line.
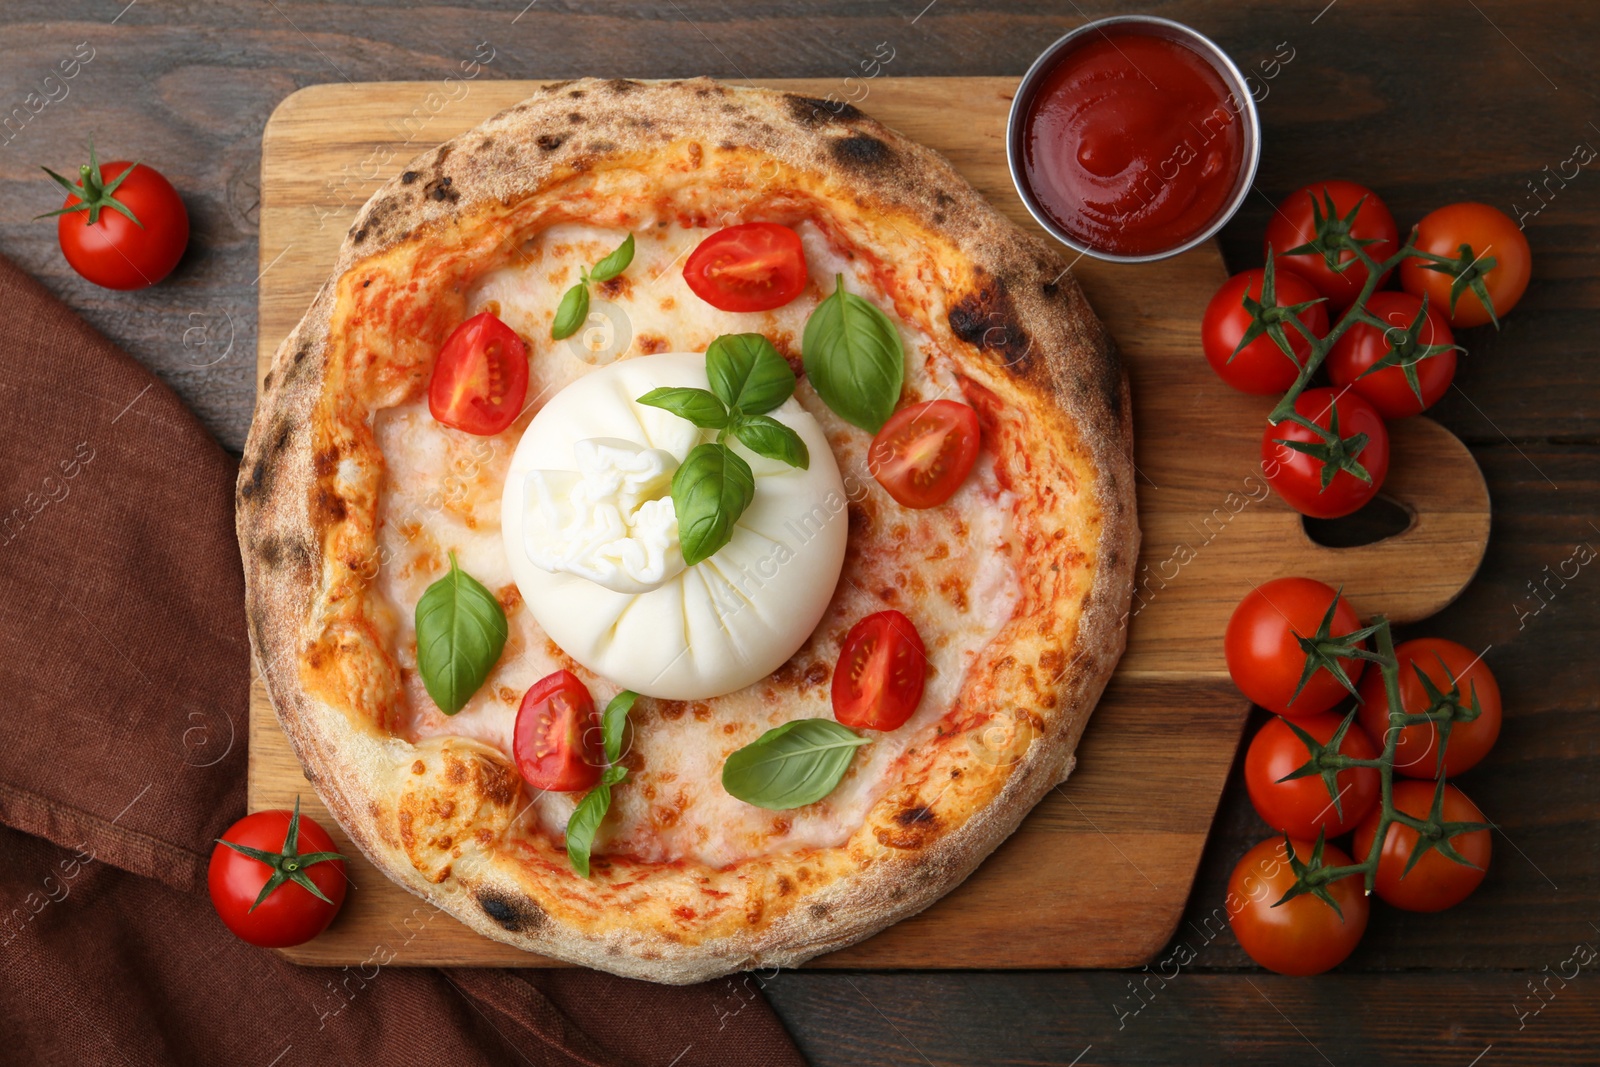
[440, 817]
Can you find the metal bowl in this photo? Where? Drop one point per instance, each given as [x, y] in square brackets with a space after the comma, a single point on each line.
[1158, 27]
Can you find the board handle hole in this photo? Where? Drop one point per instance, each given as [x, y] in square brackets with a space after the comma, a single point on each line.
[1381, 519]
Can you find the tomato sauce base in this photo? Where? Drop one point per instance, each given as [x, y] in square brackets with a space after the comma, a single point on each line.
[1132, 143]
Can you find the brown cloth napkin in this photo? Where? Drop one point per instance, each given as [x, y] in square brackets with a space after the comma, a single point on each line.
[124, 671]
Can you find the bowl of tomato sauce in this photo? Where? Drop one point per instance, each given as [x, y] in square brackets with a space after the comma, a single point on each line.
[1133, 138]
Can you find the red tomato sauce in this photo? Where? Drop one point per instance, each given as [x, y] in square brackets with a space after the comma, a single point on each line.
[1132, 143]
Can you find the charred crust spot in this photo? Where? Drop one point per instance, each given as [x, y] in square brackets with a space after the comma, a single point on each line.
[577, 94]
[599, 147]
[914, 815]
[513, 916]
[987, 319]
[359, 236]
[326, 462]
[487, 142]
[809, 111]
[258, 478]
[942, 198]
[785, 887]
[650, 343]
[620, 86]
[574, 117]
[266, 380]
[301, 353]
[549, 142]
[418, 767]
[439, 189]
[281, 441]
[861, 151]
[819, 912]
[408, 177]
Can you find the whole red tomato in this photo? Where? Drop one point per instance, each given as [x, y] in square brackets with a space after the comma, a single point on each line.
[1455, 672]
[123, 225]
[1301, 477]
[1296, 223]
[1263, 649]
[276, 879]
[1422, 341]
[1300, 936]
[1302, 807]
[1436, 882]
[1472, 235]
[1260, 367]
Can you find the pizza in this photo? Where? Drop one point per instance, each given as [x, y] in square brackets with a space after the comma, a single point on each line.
[690, 528]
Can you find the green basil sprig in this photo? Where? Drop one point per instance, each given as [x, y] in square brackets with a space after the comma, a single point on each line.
[591, 810]
[461, 630]
[791, 765]
[714, 485]
[573, 310]
[854, 358]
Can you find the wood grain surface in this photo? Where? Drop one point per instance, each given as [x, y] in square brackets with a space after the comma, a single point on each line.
[1428, 101]
[1102, 876]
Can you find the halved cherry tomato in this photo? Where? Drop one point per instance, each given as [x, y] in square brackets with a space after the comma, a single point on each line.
[1490, 234]
[756, 266]
[878, 680]
[1297, 476]
[1261, 366]
[1436, 882]
[925, 451]
[1303, 806]
[1263, 651]
[1363, 346]
[1300, 936]
[1415, 752]
[1294, 224]
[556, 736]
[480, 378]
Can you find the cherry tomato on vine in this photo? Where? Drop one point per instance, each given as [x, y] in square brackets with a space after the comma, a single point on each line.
[1455, 672]
[925, 451]
[123, 225]
[756, 266]
[1263, 650]
[1363, 347]
[878, 680]
[1487, 233]
[480, 378]
[556, 736]
[1260, 367]
[1300, 936]
[1299, 477]
[1295, 223]
[1436, 882]
[276, 879]
[1303, 806]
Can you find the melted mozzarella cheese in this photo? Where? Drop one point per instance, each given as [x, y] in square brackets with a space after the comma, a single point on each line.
[700, 631]
[950, 568]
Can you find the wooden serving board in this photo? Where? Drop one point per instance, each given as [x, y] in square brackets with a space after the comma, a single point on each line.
[1098, 874]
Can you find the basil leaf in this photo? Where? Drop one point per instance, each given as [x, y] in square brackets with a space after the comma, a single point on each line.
[615, 263]
[697, 405]
[612, 720]
[854, 358]
[747, 373]
[766, 436]
[572, 312]
[585, 822]
[710, 490]
[461, 630]
[792, 765]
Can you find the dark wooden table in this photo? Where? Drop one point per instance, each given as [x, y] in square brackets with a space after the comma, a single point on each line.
[1428, 100]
